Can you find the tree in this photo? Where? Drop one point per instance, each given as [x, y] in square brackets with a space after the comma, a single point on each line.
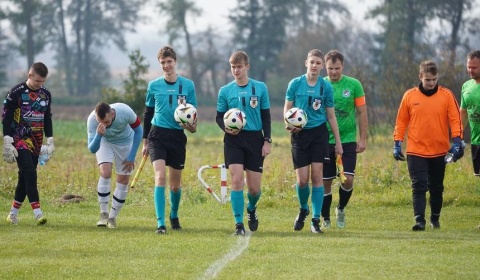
[29, 22]
[4, 54]
[259, 29]
[134, 88]
[96, 24]
[177, 11]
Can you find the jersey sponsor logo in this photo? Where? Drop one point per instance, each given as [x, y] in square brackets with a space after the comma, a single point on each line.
[253, 101]
[346, 93]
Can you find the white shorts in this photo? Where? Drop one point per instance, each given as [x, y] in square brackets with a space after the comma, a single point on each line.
[109, 152]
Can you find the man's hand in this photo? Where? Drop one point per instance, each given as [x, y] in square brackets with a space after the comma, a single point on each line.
[9, 152]
[293, 130]
[457, 149]
[128, 166]
[101, 129]
[232, 131]
[50, 147]
[397, 151]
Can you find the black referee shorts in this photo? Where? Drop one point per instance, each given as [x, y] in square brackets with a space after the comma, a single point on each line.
[310, 145]
[169, 145]
[244, 148]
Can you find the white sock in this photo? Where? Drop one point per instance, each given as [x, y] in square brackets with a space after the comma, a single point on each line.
[118, 199]
[14, 210]
[37, 212]
[103, 189]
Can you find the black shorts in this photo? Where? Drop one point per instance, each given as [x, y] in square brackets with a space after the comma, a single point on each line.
[169, 145]
[349, 160]
[475, 150]
[310, 145]
[244, 148]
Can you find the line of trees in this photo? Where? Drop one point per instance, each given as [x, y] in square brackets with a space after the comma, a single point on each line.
[276, 34]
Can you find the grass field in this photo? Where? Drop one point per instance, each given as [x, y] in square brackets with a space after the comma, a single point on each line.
[376, 244]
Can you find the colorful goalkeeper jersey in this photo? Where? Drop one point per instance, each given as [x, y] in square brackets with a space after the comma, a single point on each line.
[312, 99]
[27, 116]
[348, 94]
[470, 101]
[429, 121]
[250, 98]
[166, 96]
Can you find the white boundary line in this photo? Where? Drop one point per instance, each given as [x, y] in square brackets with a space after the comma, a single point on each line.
[234, 252]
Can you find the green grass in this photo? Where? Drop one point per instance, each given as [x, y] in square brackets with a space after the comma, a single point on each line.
[377, 243]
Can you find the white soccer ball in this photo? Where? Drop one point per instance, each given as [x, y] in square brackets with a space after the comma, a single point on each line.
[295, 118]
[234, 119]
[185, 114]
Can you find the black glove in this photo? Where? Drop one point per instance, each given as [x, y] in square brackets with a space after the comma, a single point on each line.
[397, 151]
[457, 149]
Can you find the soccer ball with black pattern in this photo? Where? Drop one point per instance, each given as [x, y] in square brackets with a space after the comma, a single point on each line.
[295, 118]
[234, 119]
[185, 114]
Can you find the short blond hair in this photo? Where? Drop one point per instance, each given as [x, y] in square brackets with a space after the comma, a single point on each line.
[238, 57]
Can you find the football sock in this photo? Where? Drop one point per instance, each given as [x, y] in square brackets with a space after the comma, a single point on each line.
[118, 199]
[317, 201]
[15, 207]
[175, 202]
[303, 195]
[327, 203]
[159, 200]
[252, 200]
[36, 208]
[103, 189]
[344, 197]
[238, 204]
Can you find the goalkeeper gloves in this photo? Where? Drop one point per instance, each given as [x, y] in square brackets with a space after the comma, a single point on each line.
[397, 151]
[10, 153]
[457, 149]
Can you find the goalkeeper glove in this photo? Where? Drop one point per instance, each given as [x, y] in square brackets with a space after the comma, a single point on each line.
[457, 149]
[9, 151]
[397, 151]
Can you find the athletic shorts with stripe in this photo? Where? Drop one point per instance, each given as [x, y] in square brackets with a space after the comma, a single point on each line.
[349, 160]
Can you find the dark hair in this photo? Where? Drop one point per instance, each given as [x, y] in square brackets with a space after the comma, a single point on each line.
[315, 52]
[238, 57]
[40, 69]
[428, 66]
[334, 55]
[167, 52]
[474, 54]
[102, 109]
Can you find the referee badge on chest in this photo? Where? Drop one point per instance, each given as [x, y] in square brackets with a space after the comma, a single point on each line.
[253, 101]
[317, 103]
[181, 99]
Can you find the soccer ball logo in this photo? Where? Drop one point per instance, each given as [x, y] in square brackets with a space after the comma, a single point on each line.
[235, 119]
[185, 114]
[295, 118]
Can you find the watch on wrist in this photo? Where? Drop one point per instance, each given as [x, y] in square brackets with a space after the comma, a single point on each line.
[268, 139]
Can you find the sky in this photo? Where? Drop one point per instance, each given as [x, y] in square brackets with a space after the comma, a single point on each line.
[149, 37]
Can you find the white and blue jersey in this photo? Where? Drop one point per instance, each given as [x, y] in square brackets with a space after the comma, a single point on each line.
[120, 132]
[250, 98]
[165, 97]
[312, 99]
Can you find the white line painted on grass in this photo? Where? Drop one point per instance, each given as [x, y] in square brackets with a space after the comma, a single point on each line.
[235, 251]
